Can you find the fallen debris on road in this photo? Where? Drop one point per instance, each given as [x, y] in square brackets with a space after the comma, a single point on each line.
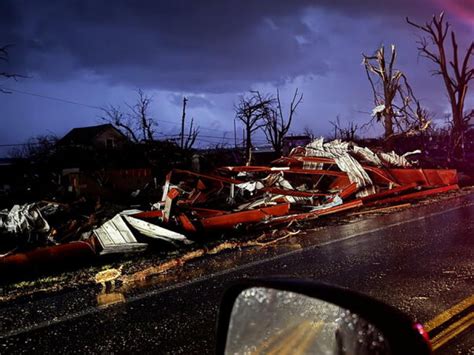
[25, 224]
[316, 180]
[115, 236]
[320, 179]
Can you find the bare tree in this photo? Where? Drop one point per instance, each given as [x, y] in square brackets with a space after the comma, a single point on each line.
[455, 71]
[276, 125]
[191, 137]
[393, 97]
[183, 119]
[140, 110]
[4, 57]
[252, 111]
[346, 133]
[308, 131]
[115, 116]
[469, 116]
[38, 148]
[187, 142]
[137, 123]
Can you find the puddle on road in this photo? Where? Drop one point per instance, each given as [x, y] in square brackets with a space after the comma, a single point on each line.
[109, 299]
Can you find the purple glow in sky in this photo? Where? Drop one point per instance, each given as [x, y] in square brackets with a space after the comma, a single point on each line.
[100, 52]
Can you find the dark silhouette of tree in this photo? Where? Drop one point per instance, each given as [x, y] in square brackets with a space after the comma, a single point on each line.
[308, 131]
[252, 111]
[136, 123]
[183, 120]
[114, 115]
[187, 142]
[37, 149]
[141, 111]
[277, 124]
[345, 133]
[396, 106]
[455, 71]
[191, 136]
[4, 57]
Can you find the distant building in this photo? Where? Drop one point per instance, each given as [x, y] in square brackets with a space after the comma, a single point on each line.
[104, 136]
[263, 155]
[290, 142]
[94, 162]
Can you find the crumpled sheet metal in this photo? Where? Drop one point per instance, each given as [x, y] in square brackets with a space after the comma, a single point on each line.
[23, 219]
[316, 180]
[425, 177]
[392, 159]
[246, 201]
[117, 235]
[339, 151]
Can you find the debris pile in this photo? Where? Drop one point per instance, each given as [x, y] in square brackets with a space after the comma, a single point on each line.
[316, 180]
[319, 179]
[27, 222]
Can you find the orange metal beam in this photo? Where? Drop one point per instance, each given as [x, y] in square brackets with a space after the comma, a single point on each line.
[390, 192]
[54, 257]
[413, 196]
[230, 220]
[348, 191]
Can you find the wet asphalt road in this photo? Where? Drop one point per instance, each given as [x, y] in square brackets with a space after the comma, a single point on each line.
[419, 260]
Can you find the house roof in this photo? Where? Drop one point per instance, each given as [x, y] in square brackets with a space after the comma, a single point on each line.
[86, 135]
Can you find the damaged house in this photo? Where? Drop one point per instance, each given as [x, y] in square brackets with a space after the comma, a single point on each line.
[85, 175]
[104, 136]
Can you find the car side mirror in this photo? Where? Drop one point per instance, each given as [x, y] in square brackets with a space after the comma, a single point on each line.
[288, 316]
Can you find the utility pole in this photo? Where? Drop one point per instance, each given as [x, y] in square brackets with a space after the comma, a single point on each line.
[235, 135]
[182, 121]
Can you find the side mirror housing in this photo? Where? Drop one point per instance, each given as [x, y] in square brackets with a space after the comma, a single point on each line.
[281, 315]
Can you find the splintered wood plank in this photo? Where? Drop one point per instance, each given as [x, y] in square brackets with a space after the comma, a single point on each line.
[103, 237]
[122, 229]
[124, 248]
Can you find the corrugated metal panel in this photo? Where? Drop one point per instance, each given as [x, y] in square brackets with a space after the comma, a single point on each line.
[115, 237]
[154, 231]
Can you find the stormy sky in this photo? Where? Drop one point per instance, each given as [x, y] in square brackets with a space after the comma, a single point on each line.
[99, 52]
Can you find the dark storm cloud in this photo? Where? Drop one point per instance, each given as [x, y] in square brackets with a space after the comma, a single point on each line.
[173, 45]
[196, 46]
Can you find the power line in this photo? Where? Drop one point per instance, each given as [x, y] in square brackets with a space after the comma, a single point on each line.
[52, 98]
[91, 106]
